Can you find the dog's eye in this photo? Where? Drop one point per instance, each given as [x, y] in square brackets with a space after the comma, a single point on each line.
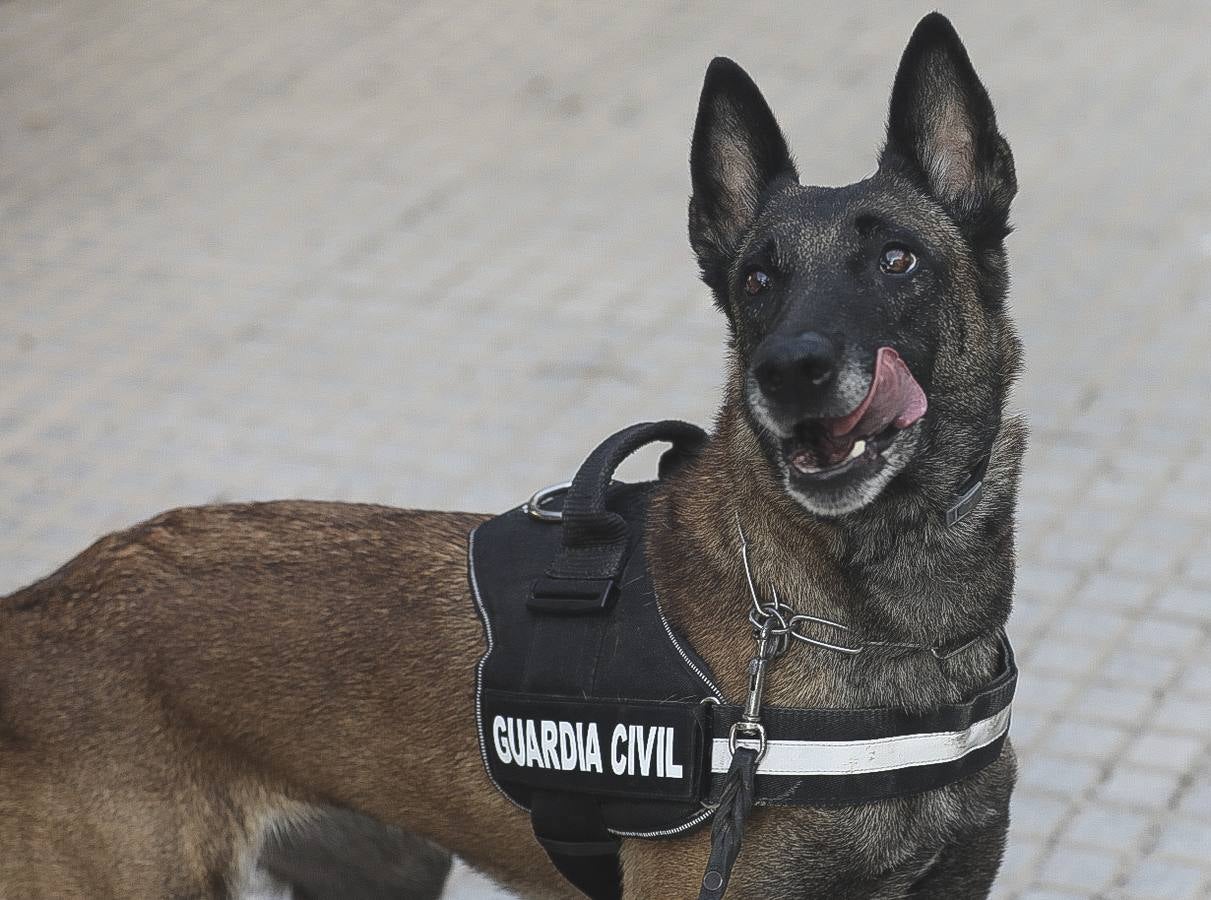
[897, 260]
[755, 282]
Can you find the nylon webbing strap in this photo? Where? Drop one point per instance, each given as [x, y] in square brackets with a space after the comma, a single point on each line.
[969, 492]
[813, 756]
[844, 756]
[570, 828]
[648, 749]
[586, 521]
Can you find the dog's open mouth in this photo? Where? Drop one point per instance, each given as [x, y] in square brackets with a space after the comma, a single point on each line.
[825, 448]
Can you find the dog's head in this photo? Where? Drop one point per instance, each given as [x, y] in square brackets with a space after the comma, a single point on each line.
[867, 321]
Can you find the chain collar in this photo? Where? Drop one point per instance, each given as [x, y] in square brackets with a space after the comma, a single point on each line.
[778, 622]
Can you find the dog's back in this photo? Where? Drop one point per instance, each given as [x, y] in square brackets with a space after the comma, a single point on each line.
[182, 689]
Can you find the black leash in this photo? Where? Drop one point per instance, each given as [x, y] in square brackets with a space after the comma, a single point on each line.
[747, 740]
[727, 831]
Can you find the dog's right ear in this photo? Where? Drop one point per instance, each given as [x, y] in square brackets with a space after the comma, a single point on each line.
[737, 151]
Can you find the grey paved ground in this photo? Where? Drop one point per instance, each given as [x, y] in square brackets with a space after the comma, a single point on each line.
[356, 250]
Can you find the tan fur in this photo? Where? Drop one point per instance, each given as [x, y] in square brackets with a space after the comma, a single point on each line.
[176, 687]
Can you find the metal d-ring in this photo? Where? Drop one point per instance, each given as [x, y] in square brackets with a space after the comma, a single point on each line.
[746, 734]
[533, 506]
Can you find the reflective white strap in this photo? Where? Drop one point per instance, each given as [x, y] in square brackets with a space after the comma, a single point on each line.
[877, 755]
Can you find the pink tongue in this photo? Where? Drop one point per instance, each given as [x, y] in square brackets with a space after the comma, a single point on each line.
[894, 398]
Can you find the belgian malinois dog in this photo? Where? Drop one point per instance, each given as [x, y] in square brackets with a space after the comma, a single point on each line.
[200, 692]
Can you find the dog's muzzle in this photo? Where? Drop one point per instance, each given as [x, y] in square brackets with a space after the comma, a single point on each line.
[821, 447]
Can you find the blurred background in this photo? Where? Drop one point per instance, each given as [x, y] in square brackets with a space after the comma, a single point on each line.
[427, 254]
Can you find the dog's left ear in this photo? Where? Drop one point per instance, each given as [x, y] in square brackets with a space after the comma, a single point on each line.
[737, 152]
[941, 128]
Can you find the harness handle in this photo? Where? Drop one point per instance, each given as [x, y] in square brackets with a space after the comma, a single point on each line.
[582, 577]
[586, 521]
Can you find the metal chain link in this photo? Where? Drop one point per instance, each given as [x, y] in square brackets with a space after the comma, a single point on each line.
[780, 622]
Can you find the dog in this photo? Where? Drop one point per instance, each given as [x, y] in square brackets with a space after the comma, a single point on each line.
[221, 690]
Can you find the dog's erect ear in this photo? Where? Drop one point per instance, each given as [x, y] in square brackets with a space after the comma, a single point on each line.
[737, 151]
[942, 129]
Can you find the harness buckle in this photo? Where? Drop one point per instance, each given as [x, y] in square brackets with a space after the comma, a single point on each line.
[572, 596]
[964, 503]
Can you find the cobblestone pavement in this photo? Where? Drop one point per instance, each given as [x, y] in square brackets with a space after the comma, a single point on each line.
[361, 250]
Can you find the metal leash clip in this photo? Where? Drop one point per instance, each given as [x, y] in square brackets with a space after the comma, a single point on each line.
[749, 732]
[748, 744]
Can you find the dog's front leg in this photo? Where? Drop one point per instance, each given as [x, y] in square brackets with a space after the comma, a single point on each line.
[966, 867]
[669, 868]
[340, 855]
[771, 865]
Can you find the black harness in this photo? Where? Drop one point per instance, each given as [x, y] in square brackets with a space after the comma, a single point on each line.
[596, 717]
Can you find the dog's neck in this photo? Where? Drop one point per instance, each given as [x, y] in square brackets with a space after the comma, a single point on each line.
[892, 572]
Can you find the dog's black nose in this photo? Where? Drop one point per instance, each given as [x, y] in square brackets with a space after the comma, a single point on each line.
[795, 367]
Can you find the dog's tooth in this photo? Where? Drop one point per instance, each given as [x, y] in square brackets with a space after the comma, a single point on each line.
[859, 449]
[803, 462]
